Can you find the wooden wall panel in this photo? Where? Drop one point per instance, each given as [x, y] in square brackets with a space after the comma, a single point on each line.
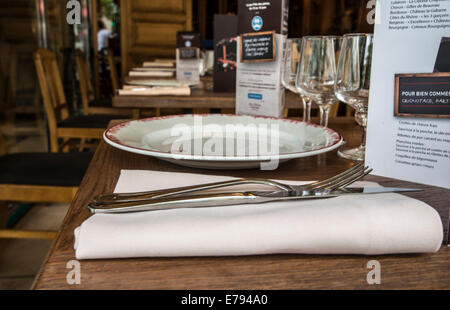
[148, 29]
[18, 41]
[175, 6]
[151, 34]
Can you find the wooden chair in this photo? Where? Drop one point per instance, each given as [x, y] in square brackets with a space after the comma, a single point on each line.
[90, 104]
[38, 177]
[62, 125]
[3, 149]
[113, 71]
[16, 58]
[3, 82]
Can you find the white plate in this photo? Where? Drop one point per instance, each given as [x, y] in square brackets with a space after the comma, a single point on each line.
[169, 138]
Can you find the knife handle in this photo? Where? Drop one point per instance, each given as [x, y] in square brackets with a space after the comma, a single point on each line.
[144, 196]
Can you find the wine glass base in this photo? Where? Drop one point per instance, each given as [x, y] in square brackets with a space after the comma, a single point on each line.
[356, 154]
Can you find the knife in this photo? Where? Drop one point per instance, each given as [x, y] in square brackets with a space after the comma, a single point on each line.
[229, 199]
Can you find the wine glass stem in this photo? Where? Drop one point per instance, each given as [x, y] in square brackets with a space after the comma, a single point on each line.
[362, 147]
[306, 109]
[364, 136]
[362, 121]
[324, 113]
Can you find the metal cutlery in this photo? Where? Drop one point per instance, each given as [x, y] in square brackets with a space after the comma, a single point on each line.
[176, 198]
[341, 180]
[229, 199]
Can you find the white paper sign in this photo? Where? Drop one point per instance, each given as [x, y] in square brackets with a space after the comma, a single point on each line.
[407, 40]
[258, 85]
[188, 69]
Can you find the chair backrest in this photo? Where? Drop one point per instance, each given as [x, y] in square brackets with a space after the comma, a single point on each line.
[51, 86]
[3, 148]
[2, 82]
[86, 88]
[113, 71]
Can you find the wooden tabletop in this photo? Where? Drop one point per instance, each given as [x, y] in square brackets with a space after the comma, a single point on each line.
[424, 271]
[201, 97]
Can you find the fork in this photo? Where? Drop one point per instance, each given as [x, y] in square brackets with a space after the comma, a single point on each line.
[341, 180]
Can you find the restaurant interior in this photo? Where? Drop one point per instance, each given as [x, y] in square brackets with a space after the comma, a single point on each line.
[69, 70]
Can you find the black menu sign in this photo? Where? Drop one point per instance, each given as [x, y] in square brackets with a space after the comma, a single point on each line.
[263, 15]
[422, 95]
[225, 52]
[443, 57]
[188, 53]
[258, 47]
[188, 43]
[188, 39]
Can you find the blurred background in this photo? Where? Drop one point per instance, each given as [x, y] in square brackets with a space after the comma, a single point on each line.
[132, 31]
[136, 31]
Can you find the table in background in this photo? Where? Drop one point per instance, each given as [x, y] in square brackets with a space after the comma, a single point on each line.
[424, 271]
[202, 97]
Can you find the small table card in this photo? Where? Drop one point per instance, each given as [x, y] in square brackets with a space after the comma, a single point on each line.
[188, 56]
[262, 27]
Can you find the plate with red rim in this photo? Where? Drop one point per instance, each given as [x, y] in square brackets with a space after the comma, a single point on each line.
[218, 141]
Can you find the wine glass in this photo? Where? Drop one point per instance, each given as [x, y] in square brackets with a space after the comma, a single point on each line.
[317, 71]
[289, 74]
[353, 83]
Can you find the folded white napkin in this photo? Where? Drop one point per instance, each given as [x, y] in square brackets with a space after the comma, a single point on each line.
[159, 64]
[372, 224]
[155, 91]
[152, 73]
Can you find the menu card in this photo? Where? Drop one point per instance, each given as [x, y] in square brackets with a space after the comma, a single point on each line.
[408, 134]
[188, 56]
[262, 27]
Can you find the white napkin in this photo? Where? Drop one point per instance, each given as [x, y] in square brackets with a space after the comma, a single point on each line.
[151, 73]
[372, 224]
[155, 91]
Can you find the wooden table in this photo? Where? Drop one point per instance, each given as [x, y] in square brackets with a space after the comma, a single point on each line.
[202, 97]
[425, 271]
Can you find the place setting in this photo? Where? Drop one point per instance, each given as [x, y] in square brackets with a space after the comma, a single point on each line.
[311, 218]
[223, 216]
